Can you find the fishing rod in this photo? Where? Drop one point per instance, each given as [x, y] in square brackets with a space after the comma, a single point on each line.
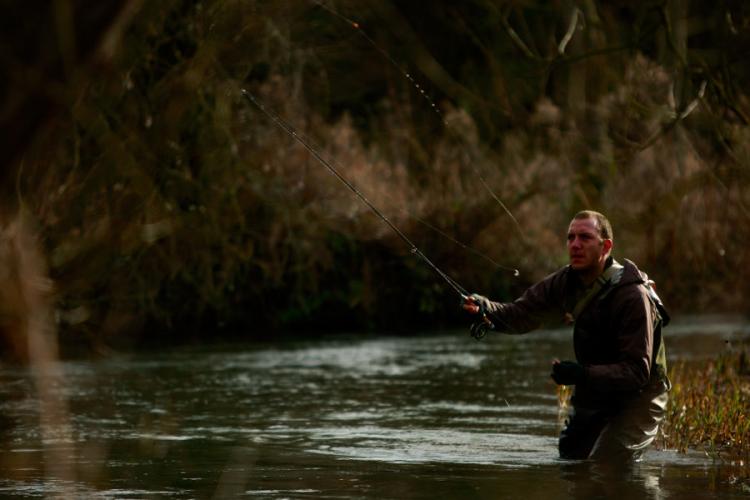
[479, 329]
[358, 28]
[413, 248]
[459, 243]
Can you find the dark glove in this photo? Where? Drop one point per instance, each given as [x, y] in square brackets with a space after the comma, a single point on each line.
[477, 300]
[568, 373]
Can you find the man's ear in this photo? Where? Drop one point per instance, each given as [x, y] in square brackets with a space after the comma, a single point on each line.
[607, 246]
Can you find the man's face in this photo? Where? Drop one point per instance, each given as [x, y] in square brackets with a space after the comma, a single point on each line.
[586, 249]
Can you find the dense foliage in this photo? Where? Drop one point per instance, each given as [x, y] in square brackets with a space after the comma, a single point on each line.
[167, 200]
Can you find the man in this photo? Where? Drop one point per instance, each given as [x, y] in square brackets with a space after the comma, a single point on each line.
[620, 373]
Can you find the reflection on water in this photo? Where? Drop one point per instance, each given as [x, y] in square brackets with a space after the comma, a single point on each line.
[422, 417]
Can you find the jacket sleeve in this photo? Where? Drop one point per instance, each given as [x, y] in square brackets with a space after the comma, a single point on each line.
[540, 305]
[634, 337]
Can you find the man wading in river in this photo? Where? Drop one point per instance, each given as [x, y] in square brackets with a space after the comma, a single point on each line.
[620, 372]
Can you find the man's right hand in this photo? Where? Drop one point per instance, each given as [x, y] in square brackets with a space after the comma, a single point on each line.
[476, 303]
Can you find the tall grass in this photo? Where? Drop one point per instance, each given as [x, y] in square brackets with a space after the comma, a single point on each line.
[709, 407]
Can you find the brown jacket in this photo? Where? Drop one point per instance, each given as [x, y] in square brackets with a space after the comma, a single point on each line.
[614, 336]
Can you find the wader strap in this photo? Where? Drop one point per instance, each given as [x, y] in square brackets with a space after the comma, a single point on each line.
[609, 277]
[659, 355]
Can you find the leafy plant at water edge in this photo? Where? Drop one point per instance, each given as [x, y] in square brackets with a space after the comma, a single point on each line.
[709, 407]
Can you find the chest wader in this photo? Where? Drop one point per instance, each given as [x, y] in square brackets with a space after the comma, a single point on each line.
[620, 434]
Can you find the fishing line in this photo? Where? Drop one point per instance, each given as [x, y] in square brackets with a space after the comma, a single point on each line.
[386, 55]
[412, 215]
[479, 328]
[356, 26]
[459, 243]
[284, 125]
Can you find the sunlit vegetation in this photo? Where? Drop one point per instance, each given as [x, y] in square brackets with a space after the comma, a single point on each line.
[709, 407]
[167, 204]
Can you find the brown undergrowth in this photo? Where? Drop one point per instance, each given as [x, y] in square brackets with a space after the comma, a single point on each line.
[171, 209]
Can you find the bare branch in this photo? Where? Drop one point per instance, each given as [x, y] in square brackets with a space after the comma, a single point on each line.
[517, 39]
[571, 29]
[690, 107]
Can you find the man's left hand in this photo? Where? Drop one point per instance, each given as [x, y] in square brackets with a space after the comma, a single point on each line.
[568, 373]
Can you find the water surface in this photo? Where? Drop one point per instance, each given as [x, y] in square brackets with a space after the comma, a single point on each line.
[429, 416]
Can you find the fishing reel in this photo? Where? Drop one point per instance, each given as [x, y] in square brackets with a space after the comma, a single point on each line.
[479, 328]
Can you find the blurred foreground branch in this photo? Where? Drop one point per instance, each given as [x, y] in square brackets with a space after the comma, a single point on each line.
[28, 332]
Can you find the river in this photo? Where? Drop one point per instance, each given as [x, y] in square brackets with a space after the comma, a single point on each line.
[427, 416]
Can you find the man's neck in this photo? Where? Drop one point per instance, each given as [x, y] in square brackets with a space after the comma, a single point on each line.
[588, 277]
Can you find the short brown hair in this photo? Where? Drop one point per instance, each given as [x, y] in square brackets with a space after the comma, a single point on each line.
[605, 228]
